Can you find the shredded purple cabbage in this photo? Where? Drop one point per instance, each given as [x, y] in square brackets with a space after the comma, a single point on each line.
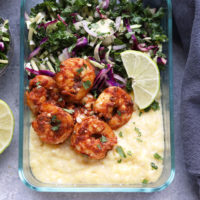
[135, 42]
[100, 14]
[62, 20]
[37, 50]
[74, 17]
[41, 72]
[106, 77]
[161, 61]
[2, 46]
[47, 24]
[105, 4]
[81, 42]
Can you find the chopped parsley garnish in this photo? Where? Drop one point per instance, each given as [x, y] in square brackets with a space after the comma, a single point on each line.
[112, 25]
[119, 161]
[119, 113]
[55, 128]
[154, 106]
[85, 66]
[103, 139]
[55, 120]
[129, 153]
[154, 166]
[79, 70]
[145, 181]
[60, 99]
[38, 84]
[98, 146]
[120, 134]
[95, 94]
[121, 152]
[157, 156]
[70, 111]
[139, 140]
[86, 84]
[138, 131]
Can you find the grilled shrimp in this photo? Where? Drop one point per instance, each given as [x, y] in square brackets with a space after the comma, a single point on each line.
[41, 89]
[53, 125]
[75, 79]
[115, 106]
[93, 137]
[88, 102]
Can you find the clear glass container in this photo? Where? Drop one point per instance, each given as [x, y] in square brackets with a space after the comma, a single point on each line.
[168, 173]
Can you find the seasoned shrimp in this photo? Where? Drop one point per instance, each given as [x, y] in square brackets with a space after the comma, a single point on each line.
[88, 102]
[115, 106]
[53, 125]
[75, 79]
[41, 89]
[93, 137]
[79, 112]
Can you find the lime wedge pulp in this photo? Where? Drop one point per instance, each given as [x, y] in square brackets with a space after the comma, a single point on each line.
[7, 123]
[145, 74]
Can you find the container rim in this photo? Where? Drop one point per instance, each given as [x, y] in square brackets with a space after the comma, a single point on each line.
[96, 189]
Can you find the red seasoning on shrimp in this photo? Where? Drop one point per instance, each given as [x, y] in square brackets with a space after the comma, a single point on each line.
[93, 137]
[115, 106]
[75, 79]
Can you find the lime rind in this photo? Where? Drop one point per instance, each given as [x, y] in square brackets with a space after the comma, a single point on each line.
[10, 129]
[145, 74]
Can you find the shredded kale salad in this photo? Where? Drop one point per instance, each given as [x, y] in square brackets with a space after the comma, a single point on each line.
[98, 31]
[4, 42]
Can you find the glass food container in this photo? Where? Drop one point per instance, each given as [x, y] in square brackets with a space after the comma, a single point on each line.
[167, 175]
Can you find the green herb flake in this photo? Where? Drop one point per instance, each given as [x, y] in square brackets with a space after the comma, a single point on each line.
[140, 113]
[86, 84]
[154, 166]
[157, 156]
[120, 134]
[137, 130]
[119, 113]
[79, 70]
[70, 111]
[129, 153]
[38, 85]
[85, 66]
[121, 152]
[145, 181]
[95, 94]
[119, 161]
[139, 140]
[154, 106]
[53, 118]
[98, 146]
[112, 25]
[60, 99]
[103, 139]
[55, 128]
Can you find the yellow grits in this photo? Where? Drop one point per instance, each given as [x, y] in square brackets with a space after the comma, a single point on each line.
[61, 164]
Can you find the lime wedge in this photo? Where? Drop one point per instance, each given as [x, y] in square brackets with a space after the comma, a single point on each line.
[145, 74]
[7, 124]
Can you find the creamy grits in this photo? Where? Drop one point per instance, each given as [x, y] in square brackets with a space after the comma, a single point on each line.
[140, 139]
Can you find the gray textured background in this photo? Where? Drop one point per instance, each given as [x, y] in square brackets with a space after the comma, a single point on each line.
[11, 188]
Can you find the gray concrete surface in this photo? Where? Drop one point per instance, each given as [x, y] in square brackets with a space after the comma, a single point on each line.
[11, 188]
